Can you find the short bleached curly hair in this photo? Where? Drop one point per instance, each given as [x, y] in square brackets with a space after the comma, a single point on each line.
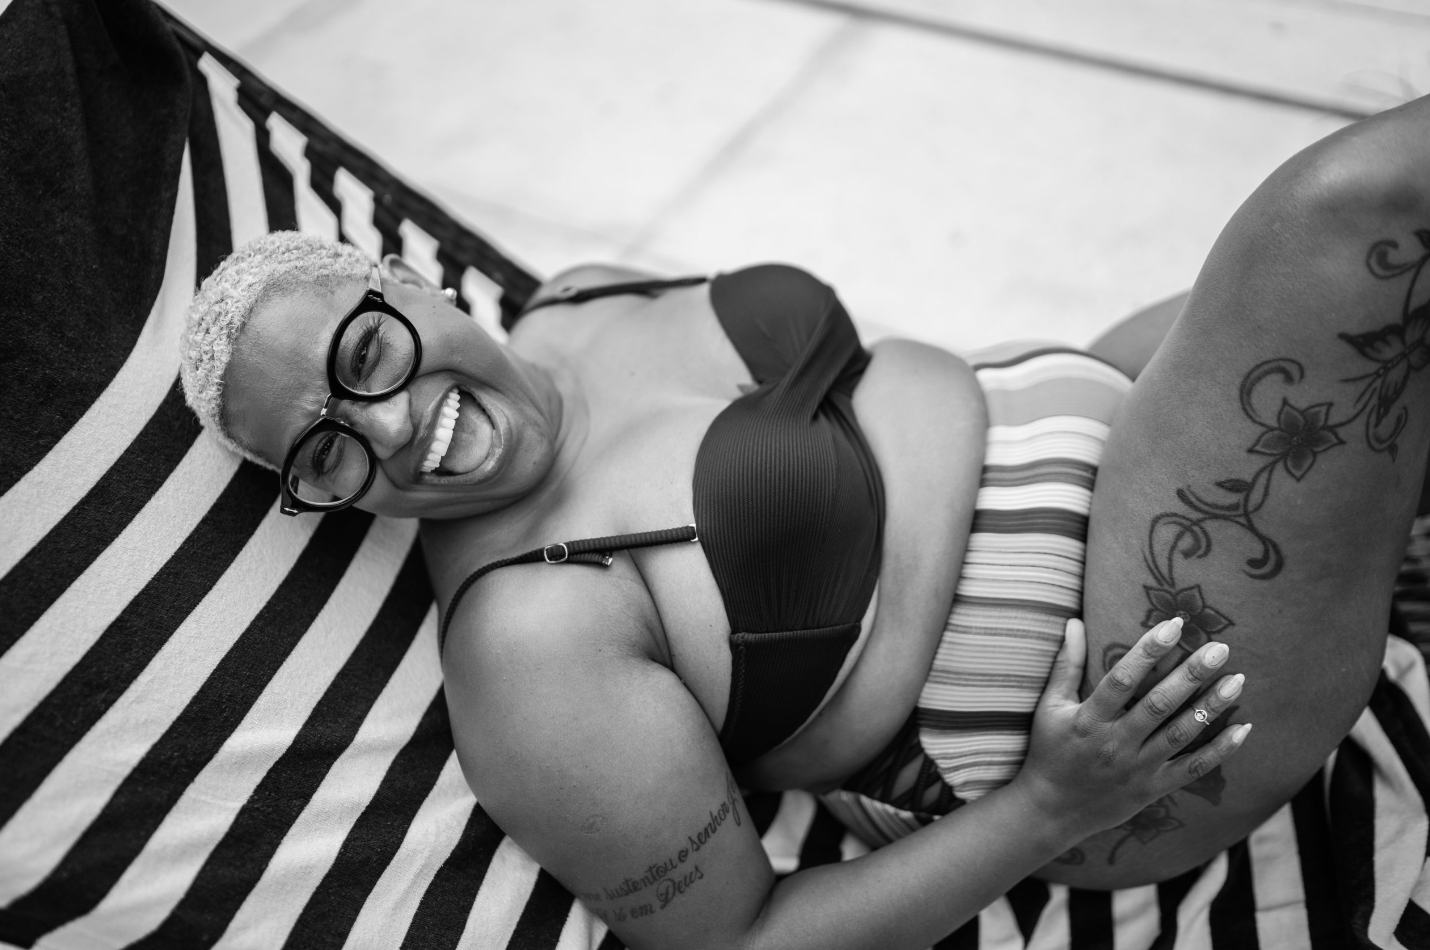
[279, 262]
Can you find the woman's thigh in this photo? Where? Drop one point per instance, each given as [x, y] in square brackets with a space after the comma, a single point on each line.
[1261, 476]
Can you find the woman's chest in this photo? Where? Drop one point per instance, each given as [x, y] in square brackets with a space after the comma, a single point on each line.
[652, 399]
[642, 479]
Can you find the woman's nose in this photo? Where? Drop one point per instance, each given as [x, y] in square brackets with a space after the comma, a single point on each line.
[387, 423]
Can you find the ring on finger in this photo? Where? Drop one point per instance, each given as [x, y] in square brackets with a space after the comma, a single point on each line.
[1201, 715]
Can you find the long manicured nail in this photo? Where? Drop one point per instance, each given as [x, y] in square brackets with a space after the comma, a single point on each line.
[1216, 654]
[1170, 631]
[1239, 734]
[1230, 686]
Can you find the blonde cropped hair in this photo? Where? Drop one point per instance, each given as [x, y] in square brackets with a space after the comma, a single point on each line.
[277, 262]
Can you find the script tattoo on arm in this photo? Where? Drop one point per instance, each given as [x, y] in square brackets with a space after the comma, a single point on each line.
[1287, 446]
[658, 884]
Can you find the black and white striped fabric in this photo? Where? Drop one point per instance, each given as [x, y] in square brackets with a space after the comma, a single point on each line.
[220, 727]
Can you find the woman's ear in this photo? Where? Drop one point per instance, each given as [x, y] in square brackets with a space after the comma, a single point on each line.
[405, 273]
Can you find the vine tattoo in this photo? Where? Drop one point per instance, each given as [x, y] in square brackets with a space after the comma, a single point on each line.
[1287, 446]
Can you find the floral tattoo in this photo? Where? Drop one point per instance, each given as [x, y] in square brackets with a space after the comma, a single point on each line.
[1290, 442]
[1159, 817]
[1291, 439]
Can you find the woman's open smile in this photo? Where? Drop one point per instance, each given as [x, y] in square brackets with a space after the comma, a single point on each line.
[461, 437]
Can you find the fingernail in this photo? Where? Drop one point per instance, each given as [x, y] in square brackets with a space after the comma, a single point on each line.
[1239, 734]
[1216, 654]
[1230, 686]
[1170, 631]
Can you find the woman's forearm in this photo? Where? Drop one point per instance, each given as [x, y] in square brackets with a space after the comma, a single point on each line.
[922, 887]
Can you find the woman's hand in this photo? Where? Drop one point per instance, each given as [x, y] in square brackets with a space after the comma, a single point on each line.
[1098, 762]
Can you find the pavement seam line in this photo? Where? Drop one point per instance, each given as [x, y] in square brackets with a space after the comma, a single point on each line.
[1097, 61]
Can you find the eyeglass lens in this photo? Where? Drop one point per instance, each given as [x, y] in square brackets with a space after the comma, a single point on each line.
[329, 466]
[375, 353]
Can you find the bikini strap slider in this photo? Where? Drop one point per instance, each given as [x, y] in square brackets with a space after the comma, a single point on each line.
[694, 532]
[606, 559]
[553, 556]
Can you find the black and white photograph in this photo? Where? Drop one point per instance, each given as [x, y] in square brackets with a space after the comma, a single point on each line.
[714, 474]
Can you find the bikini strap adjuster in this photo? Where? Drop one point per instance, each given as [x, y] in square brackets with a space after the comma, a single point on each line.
[587, 551]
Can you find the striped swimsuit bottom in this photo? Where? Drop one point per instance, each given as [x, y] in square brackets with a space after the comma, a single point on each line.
[1049, 414]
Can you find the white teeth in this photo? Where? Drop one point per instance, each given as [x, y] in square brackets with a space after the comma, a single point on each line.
[442, 437]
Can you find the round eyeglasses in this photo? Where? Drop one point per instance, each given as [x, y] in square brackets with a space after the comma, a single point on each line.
[374, 353]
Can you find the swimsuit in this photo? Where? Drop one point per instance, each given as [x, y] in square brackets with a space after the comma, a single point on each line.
[1049, 414]
[789, 505]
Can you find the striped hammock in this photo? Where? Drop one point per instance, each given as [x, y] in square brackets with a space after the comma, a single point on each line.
[220, 727]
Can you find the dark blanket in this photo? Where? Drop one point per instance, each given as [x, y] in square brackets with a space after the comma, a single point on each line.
[94, 107]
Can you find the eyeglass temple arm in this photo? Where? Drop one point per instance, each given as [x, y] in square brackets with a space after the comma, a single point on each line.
[374, 280]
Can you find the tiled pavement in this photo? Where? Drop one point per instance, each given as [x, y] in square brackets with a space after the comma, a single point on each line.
[962, 170]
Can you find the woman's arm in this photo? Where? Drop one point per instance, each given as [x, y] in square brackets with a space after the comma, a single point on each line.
[598, 761]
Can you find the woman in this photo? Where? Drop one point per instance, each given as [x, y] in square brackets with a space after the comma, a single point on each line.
[599, 710]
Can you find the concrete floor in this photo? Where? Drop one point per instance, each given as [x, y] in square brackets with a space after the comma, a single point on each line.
[964, 171]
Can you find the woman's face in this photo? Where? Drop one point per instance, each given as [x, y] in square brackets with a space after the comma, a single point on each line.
[509, 414]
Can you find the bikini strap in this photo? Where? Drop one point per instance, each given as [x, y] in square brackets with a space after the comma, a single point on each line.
[598, 551]
[573, 294]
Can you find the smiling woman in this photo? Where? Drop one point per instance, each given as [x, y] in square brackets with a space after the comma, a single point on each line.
[398, 395]
[884, 538]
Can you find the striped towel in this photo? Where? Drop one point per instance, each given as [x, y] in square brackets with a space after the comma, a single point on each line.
[218, 726]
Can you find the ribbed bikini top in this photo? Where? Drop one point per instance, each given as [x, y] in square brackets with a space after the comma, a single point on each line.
[789, 505]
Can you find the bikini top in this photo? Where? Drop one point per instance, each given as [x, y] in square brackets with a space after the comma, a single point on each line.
[789, 505]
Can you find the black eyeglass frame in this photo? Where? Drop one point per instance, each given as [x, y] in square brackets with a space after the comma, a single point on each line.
[372, 301]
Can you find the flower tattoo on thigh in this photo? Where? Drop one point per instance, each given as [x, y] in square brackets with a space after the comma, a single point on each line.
[1292, 437]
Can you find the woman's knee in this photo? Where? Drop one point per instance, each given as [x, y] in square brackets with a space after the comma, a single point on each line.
[1373, 175]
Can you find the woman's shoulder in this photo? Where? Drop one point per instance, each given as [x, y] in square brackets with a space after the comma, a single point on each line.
[526, 612]
[591, 275]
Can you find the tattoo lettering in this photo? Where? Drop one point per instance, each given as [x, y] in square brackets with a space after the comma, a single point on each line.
[672, 887]
[666, 891]
[669, 877]
[733, 797]
[618, 914]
